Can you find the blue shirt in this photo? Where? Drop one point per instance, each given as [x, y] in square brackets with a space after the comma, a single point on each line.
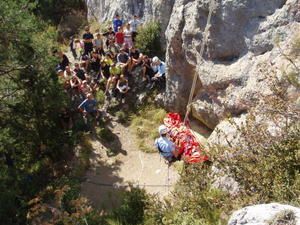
[161, 69]
[88, 105]
[117, 23]
[166, 146]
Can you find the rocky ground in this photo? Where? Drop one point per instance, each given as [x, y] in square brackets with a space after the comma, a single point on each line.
[110, 174]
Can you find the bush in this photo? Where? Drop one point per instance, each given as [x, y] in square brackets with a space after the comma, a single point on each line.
[100, 97]
[131, 211]
[148, 39]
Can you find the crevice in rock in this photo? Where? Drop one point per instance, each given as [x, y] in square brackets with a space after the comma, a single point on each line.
[226, 59]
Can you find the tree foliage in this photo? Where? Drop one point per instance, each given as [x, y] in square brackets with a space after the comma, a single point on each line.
[31, 98]
[54, 10]
[148, 39]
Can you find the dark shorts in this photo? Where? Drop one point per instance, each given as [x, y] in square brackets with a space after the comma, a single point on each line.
[93, 113]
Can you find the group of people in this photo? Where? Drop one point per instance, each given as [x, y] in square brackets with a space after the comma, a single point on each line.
[108, 58]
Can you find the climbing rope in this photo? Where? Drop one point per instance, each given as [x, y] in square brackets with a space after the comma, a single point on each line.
[117, 186]
[212, 7]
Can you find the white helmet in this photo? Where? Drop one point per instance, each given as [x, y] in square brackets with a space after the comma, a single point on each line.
[163, 129]
[155, 59]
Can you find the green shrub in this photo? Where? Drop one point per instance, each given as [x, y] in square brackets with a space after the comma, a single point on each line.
[100, 97]
[133, 204]
[148, 39]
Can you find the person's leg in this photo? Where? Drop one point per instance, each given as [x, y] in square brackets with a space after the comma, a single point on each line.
[74, 53]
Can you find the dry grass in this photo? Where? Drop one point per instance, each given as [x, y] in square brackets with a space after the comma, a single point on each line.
[145, 125]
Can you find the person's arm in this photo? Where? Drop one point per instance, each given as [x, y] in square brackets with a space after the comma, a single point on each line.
[90, 89]
[118, 86]
[127, 87]
[82, 105]
[118, 58]
[72, 83]
[108, 85]
[78, 82]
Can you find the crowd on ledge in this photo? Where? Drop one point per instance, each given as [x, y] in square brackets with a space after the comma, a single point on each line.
[108, 58]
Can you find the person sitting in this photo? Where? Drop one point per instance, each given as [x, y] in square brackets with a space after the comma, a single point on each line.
[64, 62]
[148, 72]
[123, 88]
[136, 56]
[106, 64]
[89, 107]
[88, 41]
[159, 78]
[75, 85]
[166, 147]
[79, 72]
[122, 57]
[68, 73]
[85, 88]
[126, 48]
[113, 49]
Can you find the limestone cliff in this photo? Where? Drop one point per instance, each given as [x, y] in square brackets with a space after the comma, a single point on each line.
[241, 44]
[241, 38]
[103, 10]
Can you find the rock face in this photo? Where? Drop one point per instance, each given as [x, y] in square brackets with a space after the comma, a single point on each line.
[266, 214]
[103, 10]
[240, 47]
[240, 51]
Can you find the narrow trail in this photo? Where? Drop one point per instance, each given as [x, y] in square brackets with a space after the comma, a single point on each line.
[109, 175]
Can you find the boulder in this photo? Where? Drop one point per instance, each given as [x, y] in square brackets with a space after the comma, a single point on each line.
[266, 214]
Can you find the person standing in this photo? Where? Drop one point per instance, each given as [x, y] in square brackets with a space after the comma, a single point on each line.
[117, 22]
[134, 23]
[88, 41]
[110, 36]
[128, 36]
[120, 37]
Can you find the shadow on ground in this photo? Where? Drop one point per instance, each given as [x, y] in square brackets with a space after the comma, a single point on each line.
[102, 186]
[109, 140]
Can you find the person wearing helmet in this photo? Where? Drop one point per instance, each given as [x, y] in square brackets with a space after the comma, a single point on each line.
[166, 147]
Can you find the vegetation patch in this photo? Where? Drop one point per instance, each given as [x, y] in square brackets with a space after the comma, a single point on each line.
[148, 40]
[145, 124]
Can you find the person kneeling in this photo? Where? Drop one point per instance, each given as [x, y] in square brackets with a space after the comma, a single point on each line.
[166, 147]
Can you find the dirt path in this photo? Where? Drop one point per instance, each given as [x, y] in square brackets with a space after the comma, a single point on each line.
[109, 175]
